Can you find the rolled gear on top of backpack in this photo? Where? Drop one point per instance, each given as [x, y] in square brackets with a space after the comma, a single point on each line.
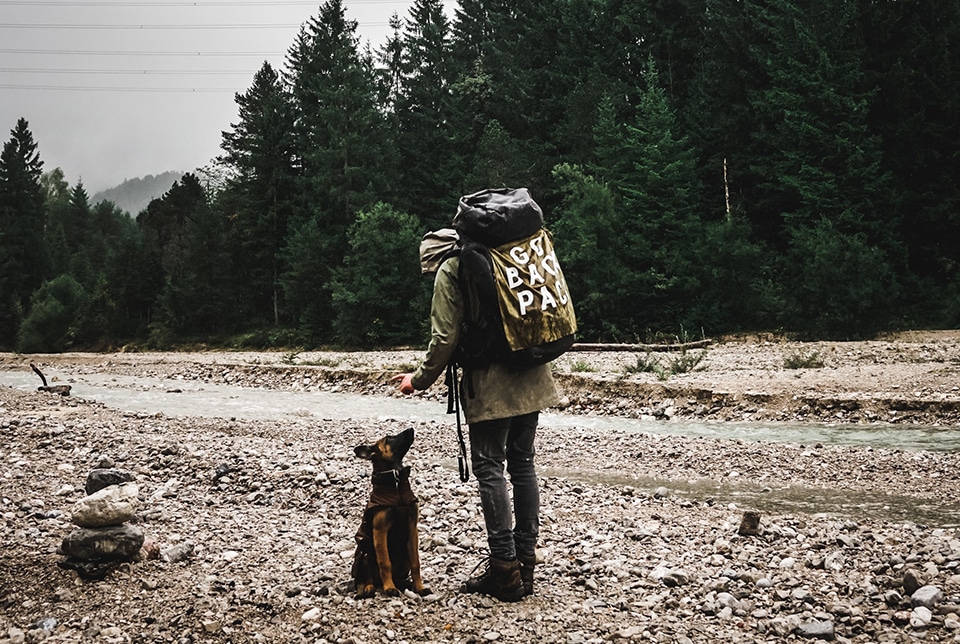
[496, 216]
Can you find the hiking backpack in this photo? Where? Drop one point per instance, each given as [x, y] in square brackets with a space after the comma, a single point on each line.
[517, 309]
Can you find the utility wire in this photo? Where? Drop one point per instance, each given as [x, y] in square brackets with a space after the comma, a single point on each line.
[134, 72]
[144, 27]
[183, 3]
[139, 27]
[74, 88]
[80, 52]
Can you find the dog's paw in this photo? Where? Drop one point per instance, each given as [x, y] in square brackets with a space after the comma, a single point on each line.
[423, 592]
[365, 591]
[391, 591]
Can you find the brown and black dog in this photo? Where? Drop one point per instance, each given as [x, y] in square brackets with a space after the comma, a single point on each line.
[388, 547]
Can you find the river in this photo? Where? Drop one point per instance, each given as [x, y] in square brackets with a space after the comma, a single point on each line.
[176, 398]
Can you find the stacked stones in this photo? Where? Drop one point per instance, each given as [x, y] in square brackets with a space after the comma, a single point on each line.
[104, 539]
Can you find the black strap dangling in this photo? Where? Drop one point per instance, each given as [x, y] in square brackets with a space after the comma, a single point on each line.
[453, 407]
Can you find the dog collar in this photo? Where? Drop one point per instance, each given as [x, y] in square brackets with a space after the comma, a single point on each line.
[389, 476]
[393, 475]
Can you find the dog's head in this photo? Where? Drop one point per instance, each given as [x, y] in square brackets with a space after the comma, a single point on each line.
[388, 452]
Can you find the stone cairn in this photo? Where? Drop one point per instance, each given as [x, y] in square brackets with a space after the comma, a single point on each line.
[103, 538]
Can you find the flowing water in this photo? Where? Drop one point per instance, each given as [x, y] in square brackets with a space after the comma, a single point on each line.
[189, 398]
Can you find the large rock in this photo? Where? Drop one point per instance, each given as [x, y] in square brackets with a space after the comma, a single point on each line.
[110, 506]
[103, 477]
[927, 596]
[816, 630]
[90, 570]
[114, 543]
[749, 524]
[912, 580]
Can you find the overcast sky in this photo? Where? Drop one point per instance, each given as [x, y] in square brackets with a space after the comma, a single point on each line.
[117, 89]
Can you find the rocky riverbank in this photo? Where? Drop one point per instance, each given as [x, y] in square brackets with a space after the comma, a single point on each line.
[640, 538]
[911, 377]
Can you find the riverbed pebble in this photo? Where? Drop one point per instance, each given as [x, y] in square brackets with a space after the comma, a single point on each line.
[927, 596]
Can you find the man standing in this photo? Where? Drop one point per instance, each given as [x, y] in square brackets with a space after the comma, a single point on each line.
[502, 407]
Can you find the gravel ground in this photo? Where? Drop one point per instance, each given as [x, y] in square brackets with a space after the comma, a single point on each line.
[639, 541]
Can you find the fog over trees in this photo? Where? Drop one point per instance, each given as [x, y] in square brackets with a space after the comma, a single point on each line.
[133, 195]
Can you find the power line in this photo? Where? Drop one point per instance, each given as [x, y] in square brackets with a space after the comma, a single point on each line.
[121, 3]
[71, 88]
[144, 27]
[182, 3]
[80, 52]
[134, 72]
[139, 27]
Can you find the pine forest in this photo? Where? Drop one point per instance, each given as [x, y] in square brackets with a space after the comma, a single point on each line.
[705, 166]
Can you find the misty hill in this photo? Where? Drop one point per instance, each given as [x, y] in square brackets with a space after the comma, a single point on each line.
[133, 195]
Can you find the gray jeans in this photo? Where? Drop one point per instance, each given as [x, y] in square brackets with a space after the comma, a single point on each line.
[510, 440]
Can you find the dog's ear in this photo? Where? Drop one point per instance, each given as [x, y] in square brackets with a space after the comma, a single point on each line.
[365, 451]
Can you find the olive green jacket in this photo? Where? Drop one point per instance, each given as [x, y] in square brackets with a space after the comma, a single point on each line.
[498, 391]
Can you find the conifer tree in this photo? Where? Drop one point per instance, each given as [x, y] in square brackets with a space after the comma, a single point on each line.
[57, 195]
[390, 67]
[116, 305]
[914, 62]
[499, 161]
[305, 280]
[651, 170]
[82, 241]
[579, 72]
[587, 231]
[511, 88]
[345, 149]
[186, 239]
[717, 114]
[343, 144]
[132, 279]
[260, 194]
[817, 165]
[431, 171]
[492, 45]
[22, 223]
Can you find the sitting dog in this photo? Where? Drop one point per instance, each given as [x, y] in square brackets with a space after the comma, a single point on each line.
[387, 554]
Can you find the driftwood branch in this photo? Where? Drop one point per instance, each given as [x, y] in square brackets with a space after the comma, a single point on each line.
[39, 373]
[683, 346]
[63, 390]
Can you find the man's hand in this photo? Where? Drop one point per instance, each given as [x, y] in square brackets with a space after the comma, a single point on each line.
[406, 382]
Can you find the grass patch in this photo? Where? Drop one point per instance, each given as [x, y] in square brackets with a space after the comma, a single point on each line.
[682, 362]
[686, 361]
[329, 363]
[582, 366]
[801, 359]
[646, 363]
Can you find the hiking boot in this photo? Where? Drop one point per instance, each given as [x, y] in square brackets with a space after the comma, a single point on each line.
[527, 564]
[500, 579]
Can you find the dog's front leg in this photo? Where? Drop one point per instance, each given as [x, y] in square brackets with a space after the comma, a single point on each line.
[363, 569]
[381, 528]
[413, 546]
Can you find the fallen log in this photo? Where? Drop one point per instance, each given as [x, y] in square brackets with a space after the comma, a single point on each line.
[682, 346]
[62, 390]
